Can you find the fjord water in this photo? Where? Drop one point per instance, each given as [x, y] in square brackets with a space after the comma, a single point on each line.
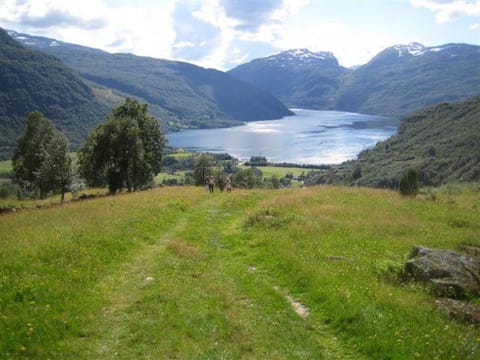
[308, 137]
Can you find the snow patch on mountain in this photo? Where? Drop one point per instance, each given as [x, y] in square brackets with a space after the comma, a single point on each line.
[416, 49]
[301, 56]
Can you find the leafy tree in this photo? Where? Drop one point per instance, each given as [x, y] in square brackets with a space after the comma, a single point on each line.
[40, 161]
[125, 151]
[257, 161]
[357, 172]
[220, 178]
[202, 169]
[246, 179]
[409, 183]
[275, 181]
[56, 171]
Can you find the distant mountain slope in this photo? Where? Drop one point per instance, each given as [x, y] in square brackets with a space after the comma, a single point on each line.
[404, 78]
[397, 81]
[441, 142]
[31, 80]
[298, 77]
[190, 95]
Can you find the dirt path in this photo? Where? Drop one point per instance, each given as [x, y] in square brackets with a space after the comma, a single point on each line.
[188, 292]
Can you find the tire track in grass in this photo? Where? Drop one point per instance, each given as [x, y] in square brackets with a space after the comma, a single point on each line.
[239, 313]
[238, 266]
[120, 290]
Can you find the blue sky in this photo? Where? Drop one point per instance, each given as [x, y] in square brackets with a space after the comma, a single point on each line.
[224, 33]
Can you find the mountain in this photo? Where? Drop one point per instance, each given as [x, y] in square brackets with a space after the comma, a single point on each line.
[397, 81]
[440, 141]
[184, 94]
[404, 78]
[32, 80]
[298, 77]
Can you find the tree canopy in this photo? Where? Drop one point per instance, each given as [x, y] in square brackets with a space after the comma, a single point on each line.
[125, 151]
[40, 161]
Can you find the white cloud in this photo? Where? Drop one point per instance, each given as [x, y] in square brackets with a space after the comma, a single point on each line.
[140, 30]
[49, 13]
[215, 33]
[448, 10]
[288, 9]
[150, 30]
[183, 44]
[349, 46]
[240, 59]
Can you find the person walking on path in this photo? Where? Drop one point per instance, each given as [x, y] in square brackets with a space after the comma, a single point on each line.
[207, 184]
[228, 185]
[211, 183]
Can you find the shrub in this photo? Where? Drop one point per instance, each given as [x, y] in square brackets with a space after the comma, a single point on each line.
[409, 183]
[357, 172]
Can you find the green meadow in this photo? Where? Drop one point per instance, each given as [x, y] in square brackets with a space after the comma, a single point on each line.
[176, 273]
[5, 168]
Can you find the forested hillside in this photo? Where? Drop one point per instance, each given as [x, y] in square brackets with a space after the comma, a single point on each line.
[31, 80]
[186, 95]
[441, 142]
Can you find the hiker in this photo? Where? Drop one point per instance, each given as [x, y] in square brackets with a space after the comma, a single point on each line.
[211, 182]
[228, 185]
[207, 184]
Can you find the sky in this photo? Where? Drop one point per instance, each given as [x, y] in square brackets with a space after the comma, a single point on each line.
[222, 34]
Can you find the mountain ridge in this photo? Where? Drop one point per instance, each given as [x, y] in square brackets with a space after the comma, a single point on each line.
[32, 80]
[398, 80]
[190, 96]
[298, 77]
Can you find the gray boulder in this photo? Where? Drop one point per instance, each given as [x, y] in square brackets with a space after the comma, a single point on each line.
[450, 273]
[459, 310]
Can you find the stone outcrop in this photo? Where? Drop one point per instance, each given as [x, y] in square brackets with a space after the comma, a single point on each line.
[459, 310]
[450, 273]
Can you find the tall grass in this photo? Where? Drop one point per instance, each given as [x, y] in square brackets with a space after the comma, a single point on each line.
[178, 273]
[5, 168]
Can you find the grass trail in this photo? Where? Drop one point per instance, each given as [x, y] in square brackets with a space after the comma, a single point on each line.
[194, 294]
[176, 273]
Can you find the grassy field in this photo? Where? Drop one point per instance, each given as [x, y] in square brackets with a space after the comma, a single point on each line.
[175, 273]
[280, 172]
[182, 154]
[5, 167]
[179, 176]
[269, 171]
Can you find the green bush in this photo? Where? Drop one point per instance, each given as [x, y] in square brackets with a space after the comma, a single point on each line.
[409, 183]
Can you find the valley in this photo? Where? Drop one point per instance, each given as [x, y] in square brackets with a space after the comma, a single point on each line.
[281, 217]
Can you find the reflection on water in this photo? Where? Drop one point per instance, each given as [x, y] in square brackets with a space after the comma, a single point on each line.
[309, 137]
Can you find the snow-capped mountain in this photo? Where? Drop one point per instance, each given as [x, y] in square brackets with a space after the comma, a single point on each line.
[417, 49]
[302, 56]
[414, 49]
[36, 41]
[398, 80]
[403, 78]
[298, 77]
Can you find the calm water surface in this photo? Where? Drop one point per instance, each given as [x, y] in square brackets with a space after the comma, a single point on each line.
[309, 137]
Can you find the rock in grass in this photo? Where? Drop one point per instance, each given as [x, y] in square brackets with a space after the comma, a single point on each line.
[460, 310]
[451, 274]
